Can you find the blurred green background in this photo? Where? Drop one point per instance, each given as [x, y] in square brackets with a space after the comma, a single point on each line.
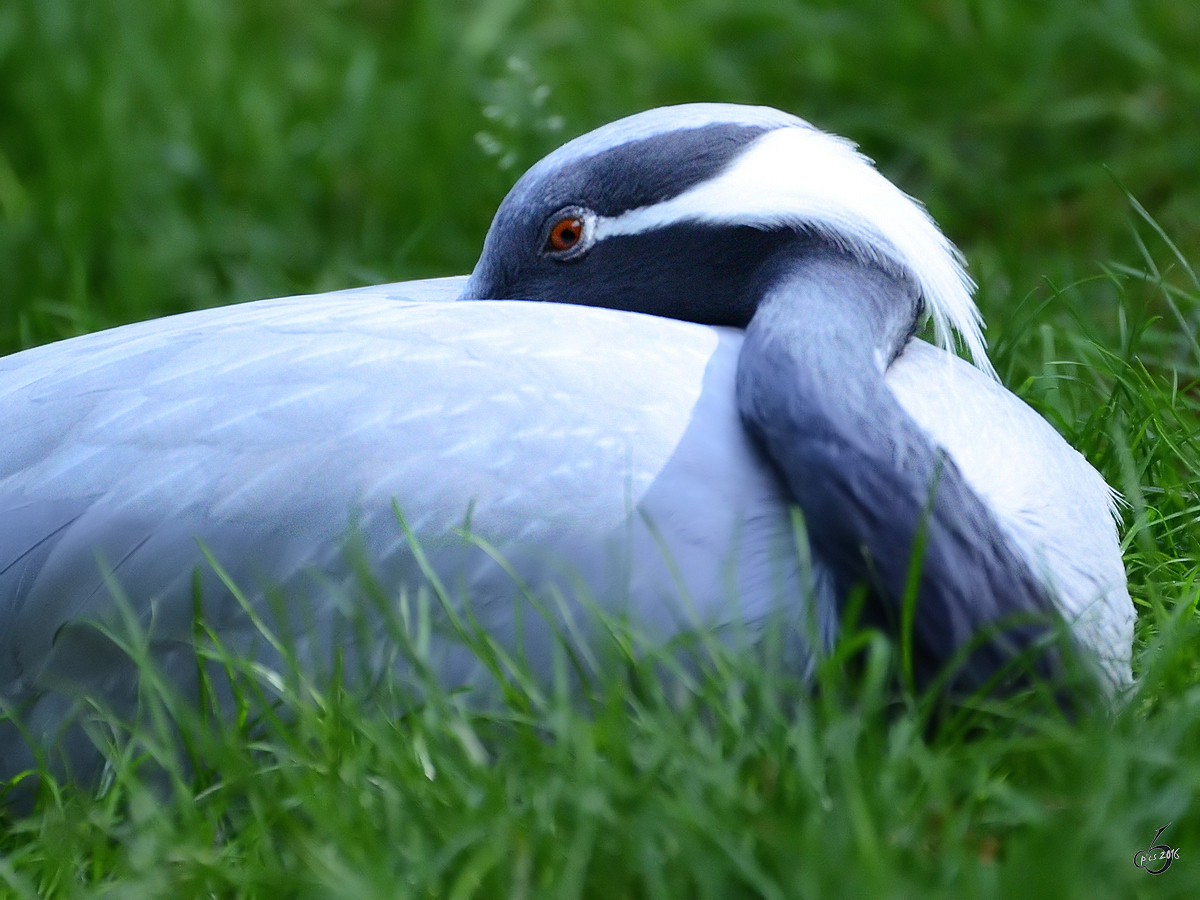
[167, 155]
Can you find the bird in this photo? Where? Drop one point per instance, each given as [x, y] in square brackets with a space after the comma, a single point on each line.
[683, 327]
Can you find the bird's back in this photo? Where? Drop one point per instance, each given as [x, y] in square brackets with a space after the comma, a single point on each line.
[586, 446]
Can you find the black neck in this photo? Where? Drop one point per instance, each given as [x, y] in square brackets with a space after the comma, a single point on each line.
[869, 481]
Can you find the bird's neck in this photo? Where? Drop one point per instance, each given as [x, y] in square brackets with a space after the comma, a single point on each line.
[884, 505]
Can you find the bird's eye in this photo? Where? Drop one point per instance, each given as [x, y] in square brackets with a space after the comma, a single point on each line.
[570, 233]
[565, 234]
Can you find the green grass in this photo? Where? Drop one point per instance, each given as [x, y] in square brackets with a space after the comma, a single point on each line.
[156, 157]
[725, 778]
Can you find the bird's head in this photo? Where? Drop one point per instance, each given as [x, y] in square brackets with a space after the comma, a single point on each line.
[680, 211]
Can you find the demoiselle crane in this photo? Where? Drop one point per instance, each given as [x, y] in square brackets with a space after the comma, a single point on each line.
[643, 463]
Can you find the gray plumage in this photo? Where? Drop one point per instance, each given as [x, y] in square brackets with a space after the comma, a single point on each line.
[593, 448]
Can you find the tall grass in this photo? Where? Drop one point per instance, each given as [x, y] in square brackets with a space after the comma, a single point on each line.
[156, 157]
[727, 777]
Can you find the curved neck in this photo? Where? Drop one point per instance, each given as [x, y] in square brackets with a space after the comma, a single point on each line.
[884, 506]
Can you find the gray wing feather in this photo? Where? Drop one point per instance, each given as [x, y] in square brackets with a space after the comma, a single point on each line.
[267, 432]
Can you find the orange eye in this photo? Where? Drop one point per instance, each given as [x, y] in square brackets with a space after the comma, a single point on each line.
[565, 234]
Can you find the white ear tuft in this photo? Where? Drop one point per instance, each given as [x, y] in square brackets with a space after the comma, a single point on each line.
[798, 176]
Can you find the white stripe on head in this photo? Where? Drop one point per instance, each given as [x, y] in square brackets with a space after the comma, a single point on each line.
[796, 176]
